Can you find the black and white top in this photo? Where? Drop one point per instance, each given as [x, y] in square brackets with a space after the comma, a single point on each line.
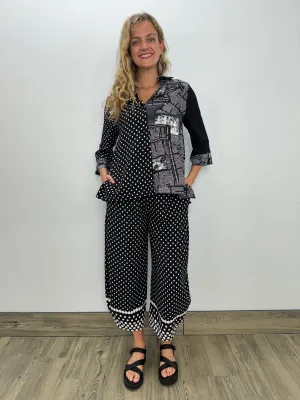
[144, 151]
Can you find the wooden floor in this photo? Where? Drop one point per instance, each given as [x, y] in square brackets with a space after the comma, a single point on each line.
[241, 367]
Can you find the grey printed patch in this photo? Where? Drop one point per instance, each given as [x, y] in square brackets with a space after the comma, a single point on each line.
[165, 112]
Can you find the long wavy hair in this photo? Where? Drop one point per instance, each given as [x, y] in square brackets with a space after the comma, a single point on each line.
[123, 87]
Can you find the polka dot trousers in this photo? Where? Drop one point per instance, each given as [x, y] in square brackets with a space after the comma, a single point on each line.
[164, 218]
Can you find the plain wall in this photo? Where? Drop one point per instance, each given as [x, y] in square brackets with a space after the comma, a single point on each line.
[58, 59]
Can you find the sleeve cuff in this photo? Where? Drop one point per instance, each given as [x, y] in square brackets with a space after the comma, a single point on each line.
[100, 164]
[201, 159]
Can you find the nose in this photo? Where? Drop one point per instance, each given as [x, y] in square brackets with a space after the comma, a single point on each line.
[144, 45]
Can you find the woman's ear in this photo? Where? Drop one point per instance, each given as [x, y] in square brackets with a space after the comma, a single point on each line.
[162, 46]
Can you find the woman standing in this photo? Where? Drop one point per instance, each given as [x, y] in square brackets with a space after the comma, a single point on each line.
[141, 160]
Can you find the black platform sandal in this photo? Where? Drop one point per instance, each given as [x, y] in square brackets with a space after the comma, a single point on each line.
[169, 380]
[133, 367]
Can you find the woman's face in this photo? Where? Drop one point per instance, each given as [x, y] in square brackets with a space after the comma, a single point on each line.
[145, 48]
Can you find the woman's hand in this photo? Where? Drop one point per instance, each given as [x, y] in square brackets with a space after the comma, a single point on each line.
[105, 176]
[189, 181]
[109, 178]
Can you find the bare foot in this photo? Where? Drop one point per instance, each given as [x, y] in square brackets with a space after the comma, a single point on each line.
[131, 375]
[168, 353]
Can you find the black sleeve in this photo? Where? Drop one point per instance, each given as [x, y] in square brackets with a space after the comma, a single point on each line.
[192, 120]
[108, 140]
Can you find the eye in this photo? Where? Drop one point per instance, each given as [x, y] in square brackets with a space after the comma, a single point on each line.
[134, 43]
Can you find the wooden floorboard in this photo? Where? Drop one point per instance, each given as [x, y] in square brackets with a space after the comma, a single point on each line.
[212, 367]
[67, 324]
[238, 322]
[194, 323]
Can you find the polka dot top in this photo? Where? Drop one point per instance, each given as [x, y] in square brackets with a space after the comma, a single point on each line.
[131, 165]
[144, 150]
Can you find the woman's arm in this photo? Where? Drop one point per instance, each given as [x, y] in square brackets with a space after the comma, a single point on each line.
[192, 120]
[105, 152]
[190, 179]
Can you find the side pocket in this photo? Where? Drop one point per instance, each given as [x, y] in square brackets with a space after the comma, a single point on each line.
[189, 191]
[106, 191]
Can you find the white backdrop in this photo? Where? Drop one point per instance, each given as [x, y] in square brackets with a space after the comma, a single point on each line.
[242, 58]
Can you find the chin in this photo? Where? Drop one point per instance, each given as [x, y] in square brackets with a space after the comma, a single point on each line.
[146, 64]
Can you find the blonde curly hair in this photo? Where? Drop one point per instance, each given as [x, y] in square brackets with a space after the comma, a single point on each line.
[123, 87]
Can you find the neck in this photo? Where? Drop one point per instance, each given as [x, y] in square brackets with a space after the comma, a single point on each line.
[146, 77]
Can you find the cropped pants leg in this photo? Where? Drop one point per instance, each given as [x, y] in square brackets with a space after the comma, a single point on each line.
[127, 227]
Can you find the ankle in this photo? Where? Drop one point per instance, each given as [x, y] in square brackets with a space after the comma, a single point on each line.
[165, 342]
[139, 339]
[139, 344]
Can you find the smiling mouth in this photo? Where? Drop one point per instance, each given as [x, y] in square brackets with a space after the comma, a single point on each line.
[145, 56]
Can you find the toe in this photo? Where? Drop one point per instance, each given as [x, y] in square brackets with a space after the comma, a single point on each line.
[129, 375]
[136, 378]
[164, 373]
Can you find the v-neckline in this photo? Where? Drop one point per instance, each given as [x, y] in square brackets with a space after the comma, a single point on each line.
[153, 94]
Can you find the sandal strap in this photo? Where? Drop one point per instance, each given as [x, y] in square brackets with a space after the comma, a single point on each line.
[137, 362]
[134, 369]
[167, 346]
[138, 350]
[133, 366]
[168, 363]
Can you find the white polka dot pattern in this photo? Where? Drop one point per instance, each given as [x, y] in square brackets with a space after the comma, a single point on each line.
[127, 225]
[132, 166]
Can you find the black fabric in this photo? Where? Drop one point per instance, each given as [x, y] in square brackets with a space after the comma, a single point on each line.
[105, 151]
[131, 163]
[193, 121]
[145, 152]
[163, 218]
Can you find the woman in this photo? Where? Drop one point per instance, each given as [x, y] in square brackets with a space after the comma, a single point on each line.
[141, 163]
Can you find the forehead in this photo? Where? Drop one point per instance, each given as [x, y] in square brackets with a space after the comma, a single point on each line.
[143, 29]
